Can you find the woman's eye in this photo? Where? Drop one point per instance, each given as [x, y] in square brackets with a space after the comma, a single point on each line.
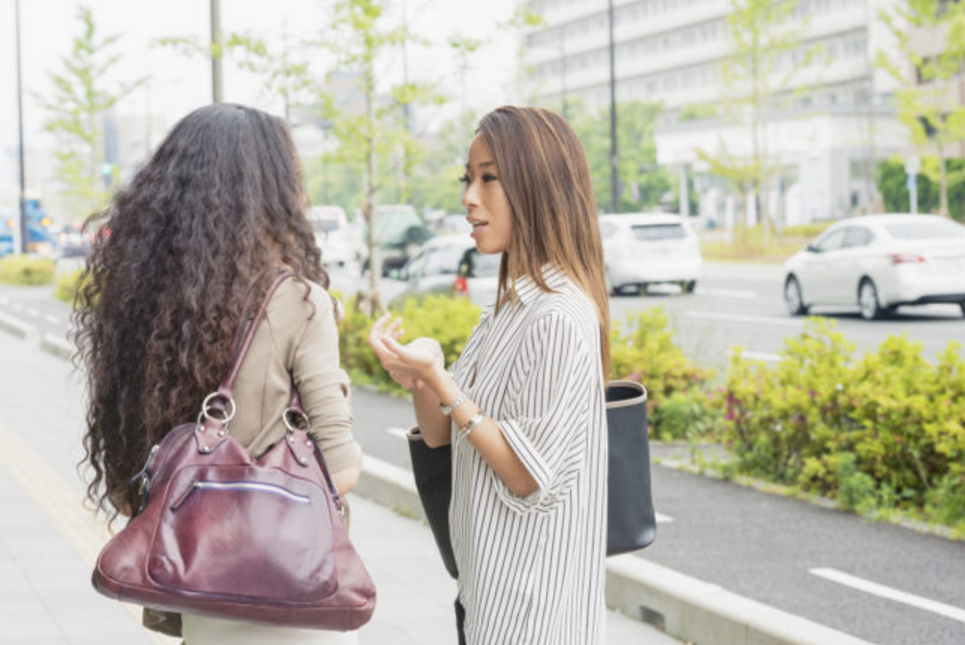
[489, 178]
[464, 180]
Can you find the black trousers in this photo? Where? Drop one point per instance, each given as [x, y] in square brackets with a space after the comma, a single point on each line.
[460, 620]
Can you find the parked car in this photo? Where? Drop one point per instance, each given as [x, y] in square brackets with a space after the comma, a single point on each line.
[339, 241]
[399, 233]
[450, 264]
[878, 263]
[73, 240]
[642, 249]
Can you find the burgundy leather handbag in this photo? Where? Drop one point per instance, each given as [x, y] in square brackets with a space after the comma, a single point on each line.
[225, 535]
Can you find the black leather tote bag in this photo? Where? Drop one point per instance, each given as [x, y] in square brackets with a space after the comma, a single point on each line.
[631, 522]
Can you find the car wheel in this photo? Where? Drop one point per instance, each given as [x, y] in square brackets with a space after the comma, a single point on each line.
[962, 305]
[688, 286]
[793, 297]
[871, 309]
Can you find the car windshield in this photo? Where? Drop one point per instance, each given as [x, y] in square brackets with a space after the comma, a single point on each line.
[390, 226]
[929, 230]
[328, 224]
[657, 232]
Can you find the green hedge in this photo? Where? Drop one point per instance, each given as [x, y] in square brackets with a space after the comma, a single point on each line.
[886, 431]
[26, 270]
[67, 286]
[645, 353]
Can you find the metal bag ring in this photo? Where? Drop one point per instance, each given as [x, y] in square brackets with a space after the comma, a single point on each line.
[288, 423]
[229, 411]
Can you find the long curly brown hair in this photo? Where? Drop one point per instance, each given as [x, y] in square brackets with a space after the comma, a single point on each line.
[217, 208]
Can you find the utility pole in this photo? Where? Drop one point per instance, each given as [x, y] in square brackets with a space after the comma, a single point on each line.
[23, 180]
[217, 51]
[614, 160]
[562, 46]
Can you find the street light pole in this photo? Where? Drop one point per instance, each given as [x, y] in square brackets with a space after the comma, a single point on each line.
[23, 180]
[614, 160]
[217, 52]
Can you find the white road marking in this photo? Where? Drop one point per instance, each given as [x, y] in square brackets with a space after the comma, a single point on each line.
[955, 613]
[33, 312]
[758, 356]
[52, 319]
[726, 293]
[4, 301]
[762, 320]
[16, 306]
[663, 519]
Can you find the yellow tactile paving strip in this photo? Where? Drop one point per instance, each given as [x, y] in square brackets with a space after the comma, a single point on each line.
[62, 505]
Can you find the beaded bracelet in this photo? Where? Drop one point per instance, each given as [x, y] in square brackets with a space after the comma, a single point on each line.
[466, 430]
[449, 409]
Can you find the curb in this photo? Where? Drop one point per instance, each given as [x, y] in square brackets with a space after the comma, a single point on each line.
[684, 607]
[19, 328]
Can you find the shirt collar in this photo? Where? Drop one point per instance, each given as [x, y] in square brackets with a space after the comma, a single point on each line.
[527, 290]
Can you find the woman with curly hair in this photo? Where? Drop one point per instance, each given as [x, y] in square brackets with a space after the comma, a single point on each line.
[216, 212]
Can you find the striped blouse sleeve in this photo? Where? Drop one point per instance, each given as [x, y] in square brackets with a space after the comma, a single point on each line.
[545, 421]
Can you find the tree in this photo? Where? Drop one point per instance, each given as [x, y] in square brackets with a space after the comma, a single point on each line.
[761, 41]
[927, 100]
[644, 183]
[367, 139]
[74, 112]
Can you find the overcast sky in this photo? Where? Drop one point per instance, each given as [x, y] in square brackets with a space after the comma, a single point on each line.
[180, 85]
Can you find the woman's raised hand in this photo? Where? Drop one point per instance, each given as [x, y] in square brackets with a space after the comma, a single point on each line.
[412, 365]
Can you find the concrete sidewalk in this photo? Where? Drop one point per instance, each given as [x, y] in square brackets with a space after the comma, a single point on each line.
[48, 542]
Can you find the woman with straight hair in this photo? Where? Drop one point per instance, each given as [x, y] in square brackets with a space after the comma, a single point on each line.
[216, 213]
[524, 406]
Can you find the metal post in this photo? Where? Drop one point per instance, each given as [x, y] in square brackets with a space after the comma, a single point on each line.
[23, 179]
[614, 159]
[217, 53]
[562, 47]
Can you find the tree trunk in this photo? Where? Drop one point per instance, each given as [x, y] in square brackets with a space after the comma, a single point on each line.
[368, 205]
[943, 193]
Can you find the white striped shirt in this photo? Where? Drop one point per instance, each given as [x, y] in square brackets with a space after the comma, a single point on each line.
[531, 570]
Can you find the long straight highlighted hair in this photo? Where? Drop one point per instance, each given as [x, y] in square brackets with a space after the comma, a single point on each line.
[544, 172]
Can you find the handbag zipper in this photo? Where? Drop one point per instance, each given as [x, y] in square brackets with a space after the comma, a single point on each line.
[244, 486]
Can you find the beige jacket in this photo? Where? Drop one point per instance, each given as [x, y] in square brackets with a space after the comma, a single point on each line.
[293, 341]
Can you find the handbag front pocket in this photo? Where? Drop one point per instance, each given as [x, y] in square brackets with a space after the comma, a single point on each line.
[246, 536]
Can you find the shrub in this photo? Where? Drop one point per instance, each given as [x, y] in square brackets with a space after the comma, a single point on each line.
[67, 286]
[888, 429]
[25, 270]
[643, 350]
[687, 414]
[449, 320]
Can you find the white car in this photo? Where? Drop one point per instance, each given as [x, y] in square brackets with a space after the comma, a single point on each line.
[879, 262]
[643, 249]
[339, 242]
[450, 264]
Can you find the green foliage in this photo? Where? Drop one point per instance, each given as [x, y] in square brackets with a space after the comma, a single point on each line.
[74, 109]
[927, 98]
[894, 188]
[643, 184]
[687, 414]
[644, 351]
[448, 320]
[760, 34]
[885, 430]
[67, 286]
[24, 270]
